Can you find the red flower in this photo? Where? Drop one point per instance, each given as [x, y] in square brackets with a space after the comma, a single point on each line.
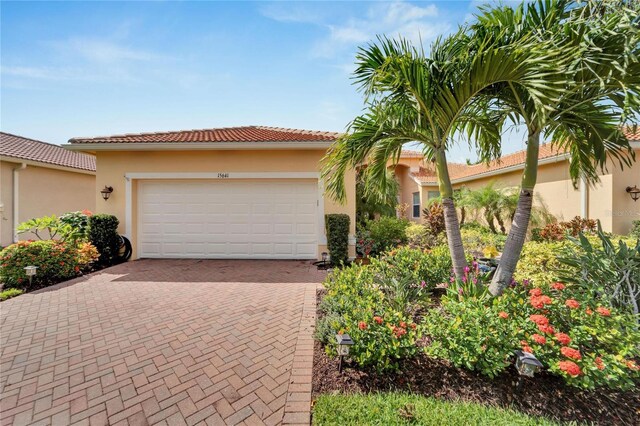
[570, 367]
[589, 311]
[570, 353]
[631, 365]
[572, 303]
[603, 311]
[564, 339]
[535, 292]
[503, 315]
[558, 286]
[599, 363]
[61, 263]
[539, 319]
[399, 332]
[413, 326]
[378, 320]
[403, 324]
[87, 212]
[362, 325]
[546, 329]
[539, 339]
[538, 302]
[77, 269]
[527, 349]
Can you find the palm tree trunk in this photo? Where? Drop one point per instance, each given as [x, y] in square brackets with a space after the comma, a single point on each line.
[518, 232]
[488, 216]
[451, 223]
[498, 217]
[463, 215]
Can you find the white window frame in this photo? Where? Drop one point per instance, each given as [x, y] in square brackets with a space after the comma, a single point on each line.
[414, 204]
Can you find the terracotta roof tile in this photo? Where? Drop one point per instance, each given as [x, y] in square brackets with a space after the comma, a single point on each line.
[407, 153]
[33, 150]
[632, 132]
[226, 134]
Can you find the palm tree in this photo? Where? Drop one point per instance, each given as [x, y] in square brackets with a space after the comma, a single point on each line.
[601, 91]
[411, 97]
[369, 204]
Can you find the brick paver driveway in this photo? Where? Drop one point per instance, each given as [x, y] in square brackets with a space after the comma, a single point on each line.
[163, 342]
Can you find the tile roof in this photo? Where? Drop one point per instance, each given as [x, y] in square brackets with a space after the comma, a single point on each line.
[459, 171]
[33, 150]
[632, 132]
[226, 134]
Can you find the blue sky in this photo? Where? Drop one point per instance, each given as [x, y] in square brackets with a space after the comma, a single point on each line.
[98, 68]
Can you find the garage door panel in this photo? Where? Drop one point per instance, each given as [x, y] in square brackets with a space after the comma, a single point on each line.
[228, 219]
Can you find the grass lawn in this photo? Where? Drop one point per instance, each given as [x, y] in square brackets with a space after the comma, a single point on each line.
[405, 409]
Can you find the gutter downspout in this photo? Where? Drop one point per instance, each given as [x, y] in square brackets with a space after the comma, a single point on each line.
[16, 208]
[584, 198]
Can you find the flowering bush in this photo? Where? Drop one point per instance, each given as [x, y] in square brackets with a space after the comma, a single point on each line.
[56, 261]
[539, 262]
[360, 301]
[575, 337]
[364, 243]
[476, 238]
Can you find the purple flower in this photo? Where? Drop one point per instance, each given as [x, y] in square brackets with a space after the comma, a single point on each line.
[464, 279]
[423, 284]
[525, 282]
[460, 291]
[466, 269]
[452, 279]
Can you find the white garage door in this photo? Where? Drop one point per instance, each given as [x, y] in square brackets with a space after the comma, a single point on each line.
[235, 219]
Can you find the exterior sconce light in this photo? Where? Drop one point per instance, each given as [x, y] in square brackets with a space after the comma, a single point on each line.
[634, 191]
[527, 364]
[344, 343]
[31, 272]
[106, 192]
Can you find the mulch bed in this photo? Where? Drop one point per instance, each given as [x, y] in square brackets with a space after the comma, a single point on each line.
[545, 395]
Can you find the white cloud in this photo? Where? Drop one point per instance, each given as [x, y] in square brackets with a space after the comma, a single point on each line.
[396, 18]
[102, 51]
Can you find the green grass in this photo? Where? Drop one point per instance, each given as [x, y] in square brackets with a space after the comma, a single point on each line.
[9, 293]
[405, 409]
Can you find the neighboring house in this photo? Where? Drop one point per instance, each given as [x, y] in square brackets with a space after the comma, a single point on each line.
[41, 179]
[242, 192]
[607, 201]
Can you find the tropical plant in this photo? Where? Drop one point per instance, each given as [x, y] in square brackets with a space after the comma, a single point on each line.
[369, 205]
[600, 77]
[72, 227]
[607, 271]
[412, 97]
[635, 229]
[433, 216]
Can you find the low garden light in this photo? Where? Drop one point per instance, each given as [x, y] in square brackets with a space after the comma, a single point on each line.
[344, 344]
[324, 256]
[31, 272]
[106, 192]
[634, 192]
[527, 364]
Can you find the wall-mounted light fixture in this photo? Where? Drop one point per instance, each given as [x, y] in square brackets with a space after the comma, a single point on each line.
[634, 191]
[106, 192]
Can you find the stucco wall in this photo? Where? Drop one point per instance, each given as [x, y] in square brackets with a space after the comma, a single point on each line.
[42, 192]
[112, 166]
[625, 210]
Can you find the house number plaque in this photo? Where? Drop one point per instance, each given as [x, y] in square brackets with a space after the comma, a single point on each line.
[223, 175]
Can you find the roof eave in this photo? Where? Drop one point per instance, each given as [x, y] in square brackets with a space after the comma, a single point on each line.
[36, 163]
[194, 146]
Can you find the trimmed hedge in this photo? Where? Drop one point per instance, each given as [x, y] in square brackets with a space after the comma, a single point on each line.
[337, 228]
[103, 234]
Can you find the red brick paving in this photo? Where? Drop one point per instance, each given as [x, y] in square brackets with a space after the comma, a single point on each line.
[153, 342]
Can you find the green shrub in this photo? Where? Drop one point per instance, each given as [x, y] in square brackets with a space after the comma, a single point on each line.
[79, 223]
[538, 262]
[9, 293]
[387, 233]
[635, 229]
[56, 261]
[477, 238]
[337, 228]
[587, 343]
[604, 270]
[431, 266]
[103, 234]
[419, 236]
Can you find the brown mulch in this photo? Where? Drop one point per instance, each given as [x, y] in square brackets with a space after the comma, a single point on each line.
[545, 395]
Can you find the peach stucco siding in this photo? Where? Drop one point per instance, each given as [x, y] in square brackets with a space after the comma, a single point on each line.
[43, 191]
[112, 167]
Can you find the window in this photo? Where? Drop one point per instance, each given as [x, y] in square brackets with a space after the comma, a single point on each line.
[433, 194]
[416, 204]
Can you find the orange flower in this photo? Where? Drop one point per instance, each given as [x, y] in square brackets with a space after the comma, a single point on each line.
[403, 324]
[378, 320]
[599, 363]
[535, 292]
[413, 326]
[603, 311]
[570, 353]
[362, 325]
[539, 339]
[539, 319]
[558, 286]
[503, 315]
[631, 365]
[539, 302]
[572, 303]
[570, 367]
[564, 339]
[527, 349]
[546, 329]
[589, 311]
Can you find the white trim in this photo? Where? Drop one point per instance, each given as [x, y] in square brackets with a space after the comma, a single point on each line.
[549, 160]
[584, 199]
[129, 176]
[34, 163]
[16, 199]
[228, 175]
[188, 146]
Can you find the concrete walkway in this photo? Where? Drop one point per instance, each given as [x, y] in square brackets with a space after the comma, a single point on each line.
[163, 342]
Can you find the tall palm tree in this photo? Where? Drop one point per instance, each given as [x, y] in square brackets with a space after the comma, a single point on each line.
[428, 99]
[600, 93]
